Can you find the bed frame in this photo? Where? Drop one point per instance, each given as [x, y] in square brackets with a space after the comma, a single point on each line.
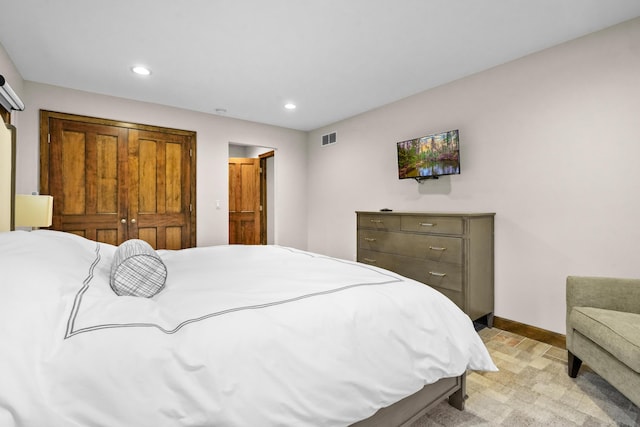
[401, 413]
[406, 411]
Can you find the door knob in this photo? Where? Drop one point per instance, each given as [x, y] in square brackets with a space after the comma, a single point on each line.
[123, 220]
[133, 221]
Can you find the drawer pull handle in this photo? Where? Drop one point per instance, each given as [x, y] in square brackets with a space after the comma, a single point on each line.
[369, 260]
[369, 239]
[376, 221]
[427, 224]
[436, 248]
[433, 273]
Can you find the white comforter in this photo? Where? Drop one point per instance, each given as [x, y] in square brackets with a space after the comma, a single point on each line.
[240, 336]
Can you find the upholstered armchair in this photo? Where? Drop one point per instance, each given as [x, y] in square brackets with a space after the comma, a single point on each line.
[603, 330]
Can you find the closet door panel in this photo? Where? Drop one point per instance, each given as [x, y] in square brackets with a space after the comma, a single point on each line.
[73, 172]
[106, 174]
[159, 188]
[173, 202]
[147, 177]
[107, 236]
[85, 167]
[149, 235]
[173, 237]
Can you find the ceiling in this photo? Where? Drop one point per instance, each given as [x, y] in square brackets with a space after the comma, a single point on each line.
[332, 58]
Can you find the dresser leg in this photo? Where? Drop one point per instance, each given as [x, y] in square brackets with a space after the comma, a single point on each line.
[486, 320]
[490, 320]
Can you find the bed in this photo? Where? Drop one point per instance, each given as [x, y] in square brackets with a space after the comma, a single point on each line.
[235, 336]
[240, 335]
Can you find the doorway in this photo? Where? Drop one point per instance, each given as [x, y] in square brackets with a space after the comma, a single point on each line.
[251, 195]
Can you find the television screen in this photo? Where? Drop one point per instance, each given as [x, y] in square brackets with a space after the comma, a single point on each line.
[429, 156]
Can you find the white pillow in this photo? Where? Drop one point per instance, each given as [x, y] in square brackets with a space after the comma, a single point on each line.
[137, 270]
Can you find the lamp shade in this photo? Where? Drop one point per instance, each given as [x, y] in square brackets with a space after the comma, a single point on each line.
[33, 210]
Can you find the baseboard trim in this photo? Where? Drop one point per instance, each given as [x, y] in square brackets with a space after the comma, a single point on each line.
[553, 338]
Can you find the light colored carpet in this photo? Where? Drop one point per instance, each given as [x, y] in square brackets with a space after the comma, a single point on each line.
[533, 389]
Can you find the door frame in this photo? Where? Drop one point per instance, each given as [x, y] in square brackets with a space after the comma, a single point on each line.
[263, 194]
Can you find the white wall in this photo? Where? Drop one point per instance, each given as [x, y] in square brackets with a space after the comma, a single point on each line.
[214, 133]
[550, 142]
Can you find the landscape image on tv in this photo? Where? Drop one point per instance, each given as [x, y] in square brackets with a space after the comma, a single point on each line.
[429, 156]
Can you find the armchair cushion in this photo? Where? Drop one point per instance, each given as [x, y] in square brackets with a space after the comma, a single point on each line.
[617, 332]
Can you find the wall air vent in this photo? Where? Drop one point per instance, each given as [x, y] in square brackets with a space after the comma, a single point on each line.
[329, 139]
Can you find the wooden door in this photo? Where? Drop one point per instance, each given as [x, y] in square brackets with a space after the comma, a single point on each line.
[113, 181]
[160, 205]
[244, 201]
[86, 163]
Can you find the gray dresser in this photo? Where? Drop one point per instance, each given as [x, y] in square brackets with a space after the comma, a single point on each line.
[451, 252]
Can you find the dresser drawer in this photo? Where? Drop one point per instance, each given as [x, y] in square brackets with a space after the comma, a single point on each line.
[381, 259]
[422, 246]
[383, 222]
[432, 273]
[432, 224]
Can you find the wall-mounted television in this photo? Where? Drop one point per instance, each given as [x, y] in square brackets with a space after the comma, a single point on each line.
[429, 156]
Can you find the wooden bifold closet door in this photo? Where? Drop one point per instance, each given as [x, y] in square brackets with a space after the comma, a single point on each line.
[113, 181]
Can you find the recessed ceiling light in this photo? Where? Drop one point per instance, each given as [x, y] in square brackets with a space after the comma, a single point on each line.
[143, 71]
[290, 106]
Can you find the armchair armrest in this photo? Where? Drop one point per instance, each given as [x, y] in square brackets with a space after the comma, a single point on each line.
[603, 292]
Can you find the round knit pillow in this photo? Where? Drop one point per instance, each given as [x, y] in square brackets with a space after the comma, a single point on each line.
[137, 270]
